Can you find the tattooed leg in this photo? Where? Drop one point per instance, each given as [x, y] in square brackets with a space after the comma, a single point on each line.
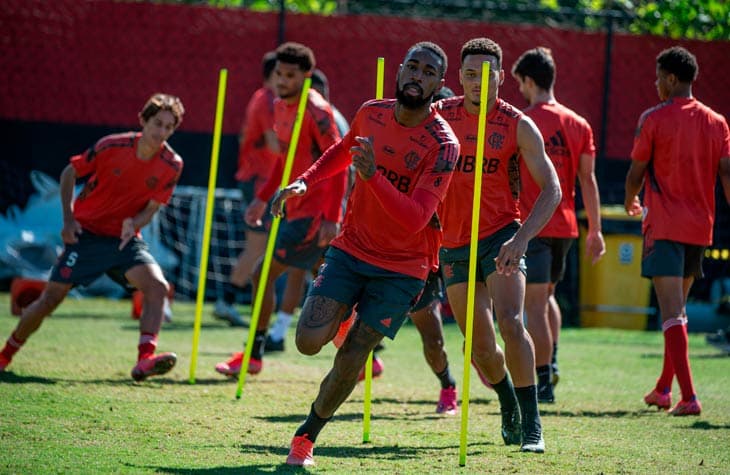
[318, 323]
[342, 378]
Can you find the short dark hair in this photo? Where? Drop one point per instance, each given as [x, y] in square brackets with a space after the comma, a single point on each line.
[482, 46]
[680, 62]
[443, 93]
[296, 53]
[538, 64]
[320, 83]
[166, 102]
[435, 49]
[268, 63]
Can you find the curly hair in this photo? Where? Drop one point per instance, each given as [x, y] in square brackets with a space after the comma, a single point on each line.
[482, 46]
[296, 53]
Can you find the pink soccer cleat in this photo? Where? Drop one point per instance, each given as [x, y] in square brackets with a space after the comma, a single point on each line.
[686, 408]
[377, 369]
[447, 402]
[153, 366]
[232, 366]
[301, 452]
[660, 400]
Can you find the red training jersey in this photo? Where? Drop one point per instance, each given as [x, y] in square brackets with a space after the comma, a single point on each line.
[254, 157]
[318, 132]
[567, 136]
[410, 158]
[121, 185]
[500, 171]
[684, 141]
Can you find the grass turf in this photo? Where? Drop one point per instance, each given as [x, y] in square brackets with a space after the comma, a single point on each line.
[68, 405]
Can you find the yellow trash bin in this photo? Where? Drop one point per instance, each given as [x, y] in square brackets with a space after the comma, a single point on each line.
[612, 292]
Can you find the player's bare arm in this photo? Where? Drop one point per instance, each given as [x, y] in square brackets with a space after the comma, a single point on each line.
[634, 183]
[363, 157]
[254, 212]
[327, 232]
[131, 225]
[532, 149]
[298, 188]
[724, 172]
[595, 244]
[272, 141]
[71, 228]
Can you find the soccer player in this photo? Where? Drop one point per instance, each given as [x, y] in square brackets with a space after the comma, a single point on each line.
[500, 285]
[130, 176]
[311, 222]
[569, 144]
[680, 148]
[404, 153]
[256, 157]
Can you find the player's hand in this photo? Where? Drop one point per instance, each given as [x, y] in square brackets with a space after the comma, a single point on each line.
[71, 231]
[633, 206]
[128, 232]
[297, 188]
[327, 232]
[255, 212]
[595, 246]
[363, 157]
[510, 255]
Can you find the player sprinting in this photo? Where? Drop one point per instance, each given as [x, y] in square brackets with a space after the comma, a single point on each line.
[130, 176]
[404, 153]
[569, 144]
[256, 157]
[310, 222]
[502, 239]
[680, 148]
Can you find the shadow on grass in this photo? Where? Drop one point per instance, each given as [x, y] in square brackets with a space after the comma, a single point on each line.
[596, 414]
[9, 377]
[133, 325]
[705, 425]
[359, 452]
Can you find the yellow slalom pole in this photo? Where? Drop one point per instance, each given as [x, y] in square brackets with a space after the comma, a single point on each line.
[266, 265]
[369, 362]
[209, 205]
[473, 256]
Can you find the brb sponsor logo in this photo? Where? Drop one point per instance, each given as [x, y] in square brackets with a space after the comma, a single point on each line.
[401, 182]
[466, 164]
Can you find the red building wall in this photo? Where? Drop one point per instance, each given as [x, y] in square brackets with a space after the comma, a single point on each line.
[95, 62]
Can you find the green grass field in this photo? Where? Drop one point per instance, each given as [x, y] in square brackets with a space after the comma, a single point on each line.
[68, 405]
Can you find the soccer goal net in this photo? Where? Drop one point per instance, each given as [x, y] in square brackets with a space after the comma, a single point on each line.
[179, 226]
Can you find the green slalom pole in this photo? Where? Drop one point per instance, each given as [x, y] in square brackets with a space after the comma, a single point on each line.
[473, 246]
[209, 205]
[369, 362]
[266, 265]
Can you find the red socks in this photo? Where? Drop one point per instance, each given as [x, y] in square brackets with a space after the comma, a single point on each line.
[147, 345]
[677, 347]
[12, 346]
[664, 383]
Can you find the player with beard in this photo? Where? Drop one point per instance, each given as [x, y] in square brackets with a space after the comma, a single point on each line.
[130, 175]
[404, 153]
[310, 223]
[503, 237]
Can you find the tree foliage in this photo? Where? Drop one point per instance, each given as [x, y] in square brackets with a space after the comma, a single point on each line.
[694, 19]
